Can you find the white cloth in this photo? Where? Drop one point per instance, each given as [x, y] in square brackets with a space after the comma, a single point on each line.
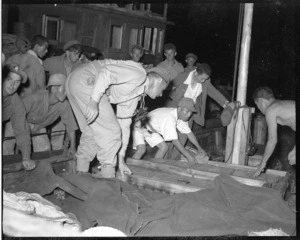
[165, 123]
[192, 92]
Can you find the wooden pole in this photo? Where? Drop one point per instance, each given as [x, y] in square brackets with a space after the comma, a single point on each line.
[165, 10]
[237, 158]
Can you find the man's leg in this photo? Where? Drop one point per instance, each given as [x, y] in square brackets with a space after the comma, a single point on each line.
[86, 150]
[8, 145]
[57, 138]
[40, 143]
[107, 134]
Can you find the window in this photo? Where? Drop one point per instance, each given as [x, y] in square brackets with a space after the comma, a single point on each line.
[68, 30]
[51, 28]
[116, 37]
[150, 39]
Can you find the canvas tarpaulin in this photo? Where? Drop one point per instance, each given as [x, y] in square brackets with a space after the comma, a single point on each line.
[227, 208]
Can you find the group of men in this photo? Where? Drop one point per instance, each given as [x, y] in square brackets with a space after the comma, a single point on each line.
[81, 95]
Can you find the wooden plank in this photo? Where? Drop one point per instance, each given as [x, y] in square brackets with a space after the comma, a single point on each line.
[18, 166]
[191, 172]
[158, 180]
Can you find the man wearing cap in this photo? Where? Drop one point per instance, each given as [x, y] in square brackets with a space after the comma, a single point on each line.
[197, 86]
[190, 60]
[63, 64]
[33, 65]
[13, 110]
[91, 89]
[45, 107]
[162, 126]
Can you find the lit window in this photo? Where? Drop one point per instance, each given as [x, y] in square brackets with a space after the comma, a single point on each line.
[116, 37]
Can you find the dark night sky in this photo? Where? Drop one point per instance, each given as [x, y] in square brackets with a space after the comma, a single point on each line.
[210, 31]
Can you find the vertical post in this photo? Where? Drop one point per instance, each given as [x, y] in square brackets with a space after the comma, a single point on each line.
[165, 10]
[238, 154]
[148, 7]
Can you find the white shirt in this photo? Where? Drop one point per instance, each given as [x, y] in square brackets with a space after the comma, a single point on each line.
[192, 92]
[165, 122]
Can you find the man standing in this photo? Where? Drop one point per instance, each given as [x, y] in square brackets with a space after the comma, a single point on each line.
[190, 60]
[195, 85]
[162, 126]
[32, 64]
[91, 89]
[46, 106]
[63, 64]
[282, 112]
[136, 52]
[13, 110]
[170, 63]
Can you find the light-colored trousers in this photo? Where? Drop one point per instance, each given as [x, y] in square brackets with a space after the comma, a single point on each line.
[101, 138]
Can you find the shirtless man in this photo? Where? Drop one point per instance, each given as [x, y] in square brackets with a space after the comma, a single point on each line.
[281, 112]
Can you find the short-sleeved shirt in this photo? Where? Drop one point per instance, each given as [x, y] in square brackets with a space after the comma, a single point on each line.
[163, 121]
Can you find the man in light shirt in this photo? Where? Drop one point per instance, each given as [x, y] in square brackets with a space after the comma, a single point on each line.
[195, 85]
[170, 63]
[91, 88]
[162, 126]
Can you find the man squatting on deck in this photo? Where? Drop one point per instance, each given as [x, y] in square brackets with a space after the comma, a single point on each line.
[281, 112]
[162, 126]
[91, 89]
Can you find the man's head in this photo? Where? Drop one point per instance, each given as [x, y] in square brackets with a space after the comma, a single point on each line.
[190, 59]
[39, 45]
[73, 50]
[136, 52]
[202, 73]
[56, 86]
[170, 51]
[12, 76]
[262, 97]
[185, 108]
[158, 81]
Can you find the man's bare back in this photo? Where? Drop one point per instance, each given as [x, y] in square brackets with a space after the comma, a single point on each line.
[285, 111]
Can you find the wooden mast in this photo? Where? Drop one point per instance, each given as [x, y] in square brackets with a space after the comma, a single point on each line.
[238, 132]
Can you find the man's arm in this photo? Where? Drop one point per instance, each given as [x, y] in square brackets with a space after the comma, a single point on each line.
[191, 136]
[272, 139]
[216, 94]
[182, 150]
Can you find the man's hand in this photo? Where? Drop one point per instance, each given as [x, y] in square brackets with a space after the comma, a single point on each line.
[91, 111]
[292, 156]
[202, 153]
[123, 168]
[260, 169]
[28, 164]
[72, 151]
[190, 158]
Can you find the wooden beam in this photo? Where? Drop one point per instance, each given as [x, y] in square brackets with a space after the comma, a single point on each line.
[189, 172]
[18, 166]
[156, 183]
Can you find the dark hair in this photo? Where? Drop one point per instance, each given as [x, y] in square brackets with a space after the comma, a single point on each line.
[169, 46]
[263, 92]
[75, 48]
[38, 40]
[5, 72]
[203, 68]
[139, 47]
